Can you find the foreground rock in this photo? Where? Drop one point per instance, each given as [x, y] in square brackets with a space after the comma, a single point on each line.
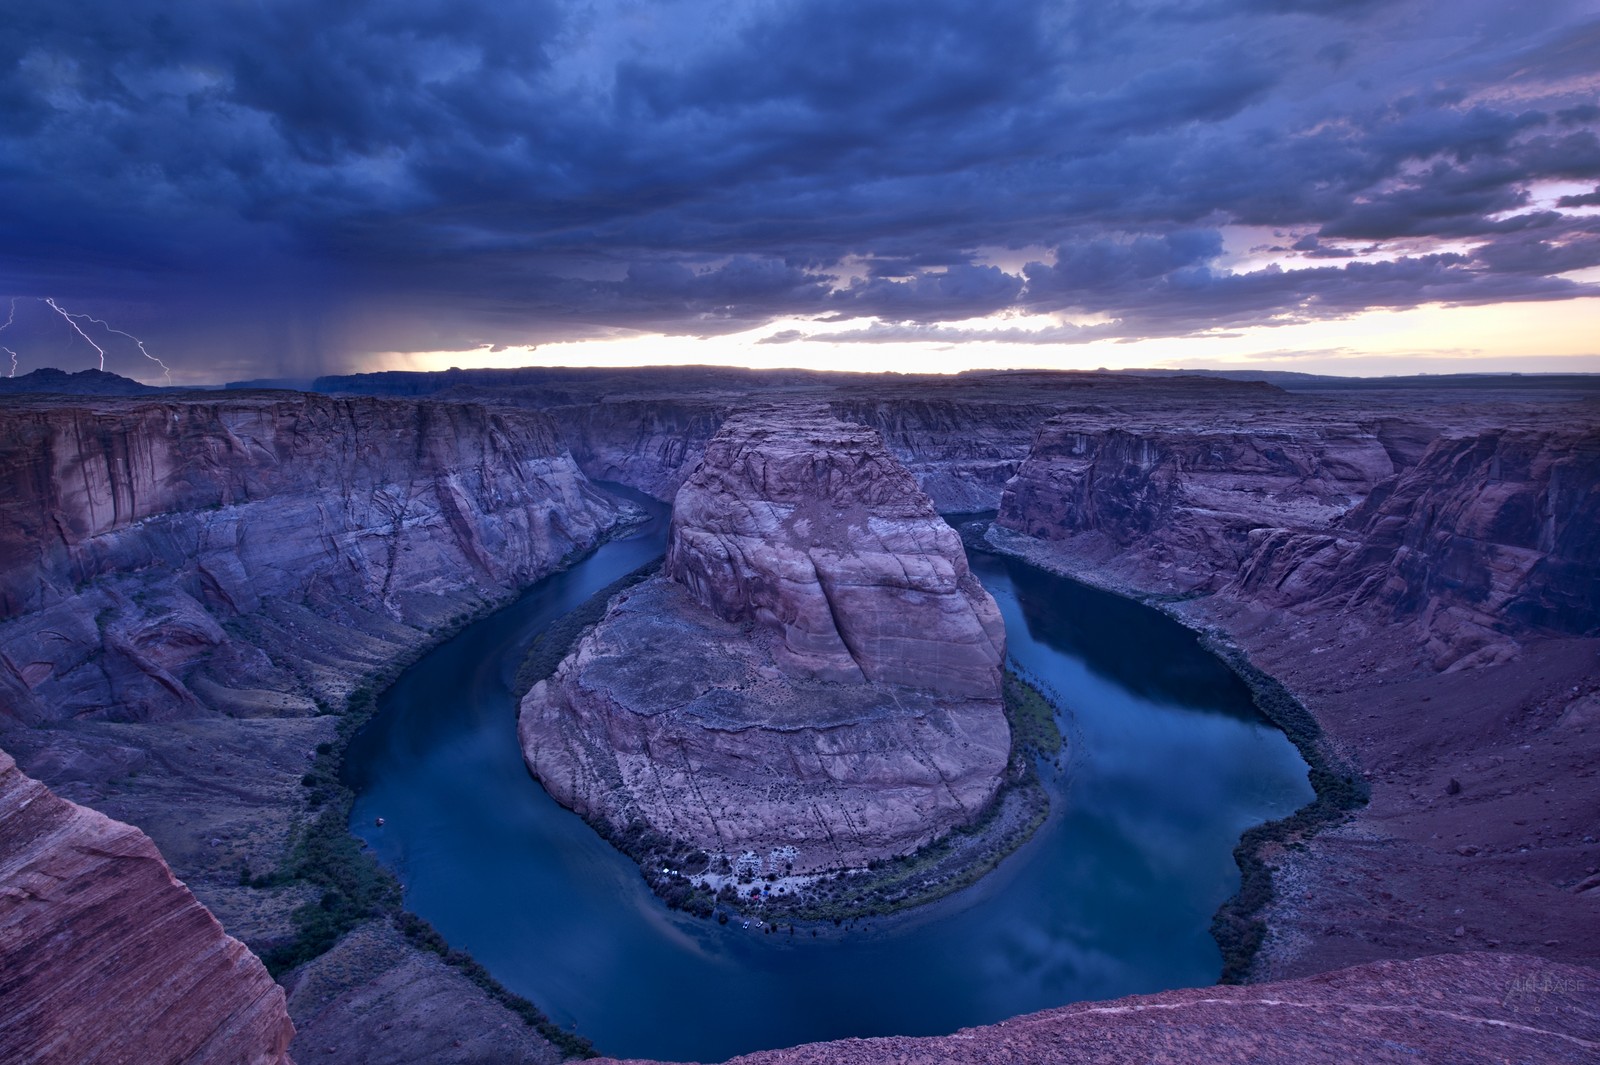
[814, 681]
[105, 957]
[1462, 1010]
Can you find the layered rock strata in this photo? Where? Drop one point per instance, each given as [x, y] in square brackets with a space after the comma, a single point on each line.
[1177, 505]
[133, 533]
[1489, 536]
[1472, 1009]
[817, 668]
[1443, 631]
[104, 957]
[191, 585]
[961, 448]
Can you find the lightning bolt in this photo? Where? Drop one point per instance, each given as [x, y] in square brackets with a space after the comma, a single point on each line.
[71, 320]
[68, 318]
[11, 317]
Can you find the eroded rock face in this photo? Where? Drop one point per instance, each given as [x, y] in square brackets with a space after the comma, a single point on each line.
[1442, 632]
[1466, 1008]
[187, 584]
[132, 531]
[1179, 504]
[808, 526]
[817, 668]
[1491, 534]
[105, 957]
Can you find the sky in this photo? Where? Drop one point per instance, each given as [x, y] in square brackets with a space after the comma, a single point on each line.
[262, 188]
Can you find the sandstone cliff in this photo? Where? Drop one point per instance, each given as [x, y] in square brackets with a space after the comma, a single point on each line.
[1491, 535]
[961, 436]
[1474, 1009]
[104, 957]
[817, 668]
[1441, 628]
[165, 557]
[191, 585]
[1176, 505]
[807, 525]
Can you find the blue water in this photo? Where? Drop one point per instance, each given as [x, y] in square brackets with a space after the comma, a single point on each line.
[1168, 763]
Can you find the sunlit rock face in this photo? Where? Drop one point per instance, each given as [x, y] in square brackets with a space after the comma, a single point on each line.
[816, 668]
[105, 957]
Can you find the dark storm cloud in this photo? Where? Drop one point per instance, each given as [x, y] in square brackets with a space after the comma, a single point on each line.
[296, 181]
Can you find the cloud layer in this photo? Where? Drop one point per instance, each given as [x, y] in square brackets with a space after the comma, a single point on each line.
[287, 183]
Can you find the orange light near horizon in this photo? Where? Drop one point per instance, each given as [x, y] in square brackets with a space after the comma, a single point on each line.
[1508, 337]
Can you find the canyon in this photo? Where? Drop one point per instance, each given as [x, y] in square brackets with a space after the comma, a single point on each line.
[195, 584]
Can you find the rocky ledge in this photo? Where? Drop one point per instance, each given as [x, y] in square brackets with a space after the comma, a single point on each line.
[813, 682]
[105, 957]
[1466, 1009]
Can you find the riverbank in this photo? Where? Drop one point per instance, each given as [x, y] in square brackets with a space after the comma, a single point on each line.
[1478, 832]
[713, 885]
[1239, 926]
[943, 868]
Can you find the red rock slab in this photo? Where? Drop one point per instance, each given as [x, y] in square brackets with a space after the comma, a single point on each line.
[1462, 1009]
[106, 958]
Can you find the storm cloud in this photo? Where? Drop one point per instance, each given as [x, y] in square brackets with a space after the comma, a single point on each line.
[282, 186]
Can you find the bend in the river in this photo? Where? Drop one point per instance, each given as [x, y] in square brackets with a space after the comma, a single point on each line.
[1169, 762]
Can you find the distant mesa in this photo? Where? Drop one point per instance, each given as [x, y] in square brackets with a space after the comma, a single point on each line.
[816, 673]
[47, 380]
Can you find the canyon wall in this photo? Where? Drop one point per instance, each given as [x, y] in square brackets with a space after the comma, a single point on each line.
[1441, 622]
[165, 557]
[1478, 533]
[104, 957]
[817, 668]
[191, 586]
[961, 444]
[962, 436]
[1176, 506]
[1488, 536]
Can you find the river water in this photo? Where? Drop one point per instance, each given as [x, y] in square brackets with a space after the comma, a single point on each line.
[1169, 763]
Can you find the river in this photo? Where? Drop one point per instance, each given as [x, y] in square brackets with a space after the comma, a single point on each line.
[1168, 763]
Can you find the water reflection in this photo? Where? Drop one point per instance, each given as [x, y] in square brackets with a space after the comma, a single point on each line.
[1164, 664]
[1113, 896]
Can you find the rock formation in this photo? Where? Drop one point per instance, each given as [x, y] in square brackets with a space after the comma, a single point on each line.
[1471, 1009]
[962, 436]
[1178, 504]
[131, 532]
[191, 585]
[817, 668]
[1489, 535]
[104, 957]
